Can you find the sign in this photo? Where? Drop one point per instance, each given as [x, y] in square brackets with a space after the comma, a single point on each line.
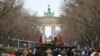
[48, 38]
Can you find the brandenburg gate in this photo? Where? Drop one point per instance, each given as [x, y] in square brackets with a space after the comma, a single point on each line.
[49, 26]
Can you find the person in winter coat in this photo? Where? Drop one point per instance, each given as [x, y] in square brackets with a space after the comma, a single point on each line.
[13, 53]
[49, 52]
[70, 52]
[56, 52]
[25, 52]
[84, 53]
[38, 52]
[97, 52]
[30, 53]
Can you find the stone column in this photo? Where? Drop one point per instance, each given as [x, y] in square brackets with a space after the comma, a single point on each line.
[53, 31]
[43, 34]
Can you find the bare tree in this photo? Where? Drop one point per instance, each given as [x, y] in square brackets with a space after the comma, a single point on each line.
[83, 16]
[16, 22]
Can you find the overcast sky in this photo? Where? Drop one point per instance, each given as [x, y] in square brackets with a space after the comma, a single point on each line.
[40, 6]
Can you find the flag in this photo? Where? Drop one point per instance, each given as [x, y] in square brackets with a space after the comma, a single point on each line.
[40, 40]
[55, 39]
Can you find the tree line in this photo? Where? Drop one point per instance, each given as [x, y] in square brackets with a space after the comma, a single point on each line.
[16, 22]
[81, 20]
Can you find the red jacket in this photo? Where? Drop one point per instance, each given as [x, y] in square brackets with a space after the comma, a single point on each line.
[13, 54]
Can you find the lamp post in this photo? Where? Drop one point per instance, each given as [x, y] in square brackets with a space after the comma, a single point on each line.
[8, 41]
[18, 44]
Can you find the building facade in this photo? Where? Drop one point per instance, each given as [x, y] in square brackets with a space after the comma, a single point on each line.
[49, 26]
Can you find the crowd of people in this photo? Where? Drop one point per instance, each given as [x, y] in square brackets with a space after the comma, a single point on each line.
[59, 52]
